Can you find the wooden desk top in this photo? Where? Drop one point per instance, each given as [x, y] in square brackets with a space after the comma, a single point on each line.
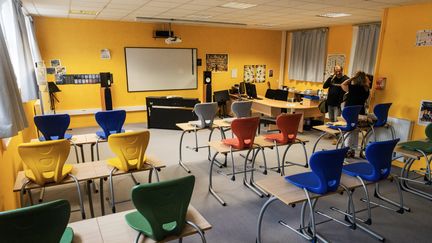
[113, 228]
[223, 149]
[190, 127]
[290, 194]
[222, 123]
[326, 129]
[263, 142]
[84, 172]
[283, 104]
[76, 139]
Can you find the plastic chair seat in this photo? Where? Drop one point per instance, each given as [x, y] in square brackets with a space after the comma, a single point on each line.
[363, 169]
[280, 138]
[137, 221]
[101, 134]
[307, 180]
[66, 136]
[49, 176]
[132, 164]
[424, 146]
[235, 143]
[343, 128]
[67, 236]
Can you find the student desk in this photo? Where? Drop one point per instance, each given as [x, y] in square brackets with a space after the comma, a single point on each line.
[84, 172]
[273, 108]
[410, 157]
[113, 228]
[290, 195]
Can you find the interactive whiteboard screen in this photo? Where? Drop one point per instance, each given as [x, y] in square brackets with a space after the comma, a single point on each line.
[151, 69]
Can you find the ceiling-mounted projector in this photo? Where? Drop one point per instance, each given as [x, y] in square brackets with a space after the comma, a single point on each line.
[173, 40]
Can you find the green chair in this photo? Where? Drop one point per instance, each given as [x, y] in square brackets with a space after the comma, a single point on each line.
[161, 208]
[423, 146]
[42, 223]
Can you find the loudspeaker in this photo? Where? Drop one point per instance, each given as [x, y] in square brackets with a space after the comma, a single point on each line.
[106, 79]
[108, 99]
[208, 92]
[207, 77]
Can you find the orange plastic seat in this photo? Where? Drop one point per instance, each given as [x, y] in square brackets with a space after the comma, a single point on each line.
[244, 130]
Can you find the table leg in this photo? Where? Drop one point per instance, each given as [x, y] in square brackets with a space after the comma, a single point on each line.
[82, 153]
[101, 196]
[92, 151]
[89, 194]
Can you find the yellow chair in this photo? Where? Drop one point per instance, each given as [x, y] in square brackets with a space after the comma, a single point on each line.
[130, 148]
[44, 163]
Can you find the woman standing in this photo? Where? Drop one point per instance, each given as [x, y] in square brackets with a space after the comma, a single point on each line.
[357, 89]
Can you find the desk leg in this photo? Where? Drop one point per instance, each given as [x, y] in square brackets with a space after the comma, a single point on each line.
[101, 196]
[92, 151]
[211, 182]
[82, 153]
[76, 152]
[180, 154]
[89, 194]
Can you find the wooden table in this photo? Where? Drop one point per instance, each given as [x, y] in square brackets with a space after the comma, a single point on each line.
[113, 228]
[273, 108]
[84, 172]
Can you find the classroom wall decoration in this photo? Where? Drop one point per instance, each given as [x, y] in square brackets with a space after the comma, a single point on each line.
[424, 38]
[333, 60]
[217, 62]
[425, 113]
[254, 73]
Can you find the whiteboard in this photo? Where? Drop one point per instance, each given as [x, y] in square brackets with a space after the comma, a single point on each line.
[155, 69]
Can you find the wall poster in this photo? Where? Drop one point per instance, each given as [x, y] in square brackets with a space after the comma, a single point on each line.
[424, 38]
[425, 113]
[333, 60]
[217, 62]
[254, 73]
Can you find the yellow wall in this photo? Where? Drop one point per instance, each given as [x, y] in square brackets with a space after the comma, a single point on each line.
[339, 42]
[77, 43]
[11, 162]
[407, 67]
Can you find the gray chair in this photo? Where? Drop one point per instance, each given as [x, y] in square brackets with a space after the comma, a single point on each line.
[241, 108]
[206, 113]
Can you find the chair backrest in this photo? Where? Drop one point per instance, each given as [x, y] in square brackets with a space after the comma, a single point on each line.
[241, 108]
[381, 113]
[164, 205]
[350, 114]
[130, 148]
[206, 113]
[380, 155]
[41, 223]
[53, 126]
[327, 165]
[45, 159]
[288, 125]
[245, 130]
[428, 131]
[111, 122]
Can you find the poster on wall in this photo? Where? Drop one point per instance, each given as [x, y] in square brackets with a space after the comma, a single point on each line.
[254, 73]
[425, 113]
[424, 38]
[217, 62]
[332, 61]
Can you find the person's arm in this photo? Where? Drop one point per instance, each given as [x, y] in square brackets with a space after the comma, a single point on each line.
[328, 82]
[345, 85]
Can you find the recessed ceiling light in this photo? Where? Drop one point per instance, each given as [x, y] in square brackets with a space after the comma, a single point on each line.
[238, 5]
[334, 15]
[199, 16]
[84, 12]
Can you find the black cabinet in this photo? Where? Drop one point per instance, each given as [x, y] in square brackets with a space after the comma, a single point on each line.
[163, 112]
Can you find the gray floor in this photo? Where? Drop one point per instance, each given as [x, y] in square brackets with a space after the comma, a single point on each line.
[237, 221]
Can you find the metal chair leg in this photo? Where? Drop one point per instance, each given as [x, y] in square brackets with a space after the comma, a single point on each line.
[155, 171]
[277, 156]
[316, 142]
[180, 154]
[369, 219]
[199, 230]
[79, 195]
[261, 215]
[232, 162]
[22, 192]
[112, 189]
[211, 182]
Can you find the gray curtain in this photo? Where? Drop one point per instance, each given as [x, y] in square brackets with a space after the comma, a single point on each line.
[366, 48]
[27, 76]
[12, 116]
[307, 59]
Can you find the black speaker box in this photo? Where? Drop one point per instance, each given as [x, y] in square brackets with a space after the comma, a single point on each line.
[108, 99]
[207, 77]
[106, 79]
[208, 90]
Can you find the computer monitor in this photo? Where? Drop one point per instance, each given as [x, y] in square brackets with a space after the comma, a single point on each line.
[221, 96]
[251, 90]
[242, 88]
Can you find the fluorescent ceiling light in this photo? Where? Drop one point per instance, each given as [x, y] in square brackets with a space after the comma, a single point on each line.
[334, 15]
[186, 21]
[238, 5]
[84, 12]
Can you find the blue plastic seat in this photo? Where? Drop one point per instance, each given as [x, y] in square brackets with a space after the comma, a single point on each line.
[350, 114]
[53, 127]
[381, 113]
[111, 122]
[326, 172]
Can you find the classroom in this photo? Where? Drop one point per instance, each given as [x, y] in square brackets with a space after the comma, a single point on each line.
[215, 120]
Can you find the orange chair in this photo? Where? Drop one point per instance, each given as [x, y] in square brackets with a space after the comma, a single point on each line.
[44, 163]
[288, 126]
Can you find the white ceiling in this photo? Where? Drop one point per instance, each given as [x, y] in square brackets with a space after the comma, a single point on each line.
[268, 14]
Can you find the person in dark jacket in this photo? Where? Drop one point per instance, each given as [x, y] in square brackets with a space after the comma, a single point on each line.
[335, 93]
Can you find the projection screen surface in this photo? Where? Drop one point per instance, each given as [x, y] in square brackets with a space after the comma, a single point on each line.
[152, 69]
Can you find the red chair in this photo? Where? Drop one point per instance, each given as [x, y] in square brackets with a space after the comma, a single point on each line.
[244, 130]
[288, 126]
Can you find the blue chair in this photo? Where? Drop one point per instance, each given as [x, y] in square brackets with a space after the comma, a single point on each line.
[379, 157]
[53, 127]
[381, 113]
[350, 115]
[324, 178]
[111, 122]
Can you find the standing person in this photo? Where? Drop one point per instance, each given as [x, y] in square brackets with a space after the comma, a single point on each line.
[357, 89]
[335, 93]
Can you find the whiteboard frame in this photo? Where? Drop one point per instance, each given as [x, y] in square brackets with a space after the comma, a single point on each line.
[195, 66]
